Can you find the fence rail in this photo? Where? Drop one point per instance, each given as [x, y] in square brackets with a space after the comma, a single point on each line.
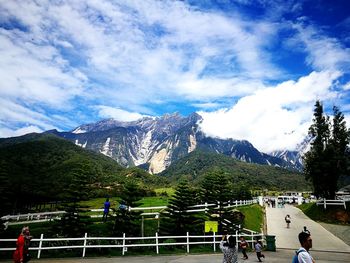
[125, 242]
[48, 216]
[326, 202]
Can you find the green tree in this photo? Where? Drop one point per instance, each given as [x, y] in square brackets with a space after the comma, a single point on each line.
[217, 189]
[339, 147]
[177, 220]
[74, 222]
[128, 221]
[326, 159]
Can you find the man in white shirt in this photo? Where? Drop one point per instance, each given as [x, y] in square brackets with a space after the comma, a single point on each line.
[303, 252]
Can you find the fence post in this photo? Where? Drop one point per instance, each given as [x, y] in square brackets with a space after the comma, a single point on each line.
[236, 203]
[157, 247]
[40, 245]
[236, 237]
[252, 238]
[84, 246]
[123, 244]
[214, 241]
[344, 204]
[324, 203]
[188, 243]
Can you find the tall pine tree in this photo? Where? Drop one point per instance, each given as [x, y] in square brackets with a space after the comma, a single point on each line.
[74, 223]
[217, 189]
[128, 221]
[326, 159]
[176, 220]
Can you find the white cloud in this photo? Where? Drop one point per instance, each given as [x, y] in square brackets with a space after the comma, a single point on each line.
[118, 114]
[134, 56]
[5, 132]
[275, 118]
[346, 86]
[324, 53]
[206, 105]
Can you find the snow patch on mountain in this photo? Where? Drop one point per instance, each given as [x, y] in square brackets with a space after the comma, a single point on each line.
[80, 144]
[105, 148]
[193, 143]
[79, 130]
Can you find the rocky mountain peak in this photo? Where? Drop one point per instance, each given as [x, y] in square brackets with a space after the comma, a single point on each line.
[156, 142]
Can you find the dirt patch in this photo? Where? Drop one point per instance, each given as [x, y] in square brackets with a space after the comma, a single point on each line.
[342, 216]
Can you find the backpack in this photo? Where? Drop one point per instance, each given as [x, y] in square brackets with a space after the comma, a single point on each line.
[295, 257]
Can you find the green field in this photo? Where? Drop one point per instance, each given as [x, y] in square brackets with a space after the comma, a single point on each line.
[254, 217]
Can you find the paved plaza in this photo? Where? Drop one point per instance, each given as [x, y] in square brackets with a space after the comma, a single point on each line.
[281, 256]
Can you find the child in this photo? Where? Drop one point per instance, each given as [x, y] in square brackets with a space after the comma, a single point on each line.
[258, 247]
[244, 245]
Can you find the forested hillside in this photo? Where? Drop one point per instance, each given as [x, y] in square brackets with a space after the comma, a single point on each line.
[198, 163]
[42, 167]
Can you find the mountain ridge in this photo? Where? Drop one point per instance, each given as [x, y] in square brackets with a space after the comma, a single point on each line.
[156, 142]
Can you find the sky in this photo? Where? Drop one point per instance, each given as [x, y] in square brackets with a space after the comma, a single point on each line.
[252, 68]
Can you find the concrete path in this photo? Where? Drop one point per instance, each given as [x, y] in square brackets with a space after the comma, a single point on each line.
[281, 256]
[323, 240]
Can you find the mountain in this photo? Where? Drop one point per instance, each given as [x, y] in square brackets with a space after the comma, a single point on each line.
[295, 157]
[195, 165]
[42, 167]
[155, 143]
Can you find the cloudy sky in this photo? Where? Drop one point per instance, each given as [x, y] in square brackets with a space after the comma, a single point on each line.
[252, 68]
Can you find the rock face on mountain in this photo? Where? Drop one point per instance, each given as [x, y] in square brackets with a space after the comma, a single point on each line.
[295, 157]
[154, 143]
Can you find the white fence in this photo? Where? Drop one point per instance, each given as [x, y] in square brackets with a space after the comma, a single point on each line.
[126, 242]
[48, 216]
[325, 202]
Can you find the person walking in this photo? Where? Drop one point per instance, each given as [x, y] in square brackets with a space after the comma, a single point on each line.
[302, 255]
[288, 220]
[228, 248]
[258, 249]
[107, 204]
[21, 254]
[244, 245]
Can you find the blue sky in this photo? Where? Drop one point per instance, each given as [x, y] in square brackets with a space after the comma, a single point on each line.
[252, 69]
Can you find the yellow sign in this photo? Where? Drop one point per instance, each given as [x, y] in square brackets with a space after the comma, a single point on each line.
[211, 226]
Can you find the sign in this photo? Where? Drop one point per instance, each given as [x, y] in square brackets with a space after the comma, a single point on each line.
[211, 226]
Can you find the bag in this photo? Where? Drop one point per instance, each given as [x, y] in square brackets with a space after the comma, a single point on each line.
[295, 258]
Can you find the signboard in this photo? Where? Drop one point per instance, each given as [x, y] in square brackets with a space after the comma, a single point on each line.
[211, 226]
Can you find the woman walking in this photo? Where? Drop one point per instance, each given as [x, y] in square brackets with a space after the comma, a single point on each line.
[21, 254]
[228, 248]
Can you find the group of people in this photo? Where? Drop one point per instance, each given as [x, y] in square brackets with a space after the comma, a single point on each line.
[228, 248]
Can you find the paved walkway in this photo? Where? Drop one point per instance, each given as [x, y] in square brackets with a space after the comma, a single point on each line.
[323, 240]
[281, 256]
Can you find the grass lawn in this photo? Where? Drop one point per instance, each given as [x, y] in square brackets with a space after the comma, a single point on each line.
[254, 217]
[169, 190]
[153, 201]
[332, 215]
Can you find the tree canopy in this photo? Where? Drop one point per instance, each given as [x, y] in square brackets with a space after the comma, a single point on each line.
[327, 158]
